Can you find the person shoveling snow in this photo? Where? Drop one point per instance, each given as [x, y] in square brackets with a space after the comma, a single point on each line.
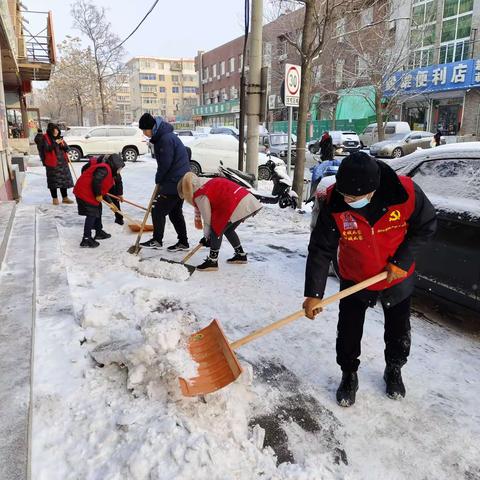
[223, 206]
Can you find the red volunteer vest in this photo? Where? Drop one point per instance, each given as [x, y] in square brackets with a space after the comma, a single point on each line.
[51, 157]
[365, 251]
[83, 187]
[224, 196]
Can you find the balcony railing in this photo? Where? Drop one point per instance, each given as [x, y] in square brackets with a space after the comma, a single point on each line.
[36, 46]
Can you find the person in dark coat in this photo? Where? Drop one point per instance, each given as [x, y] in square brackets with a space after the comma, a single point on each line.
[172, 165]
[55, 160]
[39, 143]
[327, 151]
[438, 138]
[91, 189]
[377, 221]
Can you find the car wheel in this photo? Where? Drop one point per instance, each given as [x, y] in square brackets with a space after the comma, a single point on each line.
[195, 168]
[75, 154]
[397, 152]
[264, 173]
[130, 155]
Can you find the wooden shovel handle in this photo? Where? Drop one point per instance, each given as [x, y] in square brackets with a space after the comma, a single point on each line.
[191, 253]
[114, 209]
[321, 303]
[127, 201]
[145, 218]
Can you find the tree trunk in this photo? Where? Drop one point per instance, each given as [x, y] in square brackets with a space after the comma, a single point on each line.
[334, 117]
[379, 116]
[307, 41]
[80, 104]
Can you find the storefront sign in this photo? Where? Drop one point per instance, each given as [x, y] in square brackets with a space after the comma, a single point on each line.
[230, 106]
[435, 78]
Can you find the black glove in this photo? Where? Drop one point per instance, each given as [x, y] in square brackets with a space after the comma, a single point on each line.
[205, 242]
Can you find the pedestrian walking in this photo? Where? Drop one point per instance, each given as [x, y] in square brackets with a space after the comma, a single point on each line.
[437, 138]
[377, 221]
[95, 182]
[39, 143]
[55, 160]
[172, 165]
[327, 151]
[220, 207]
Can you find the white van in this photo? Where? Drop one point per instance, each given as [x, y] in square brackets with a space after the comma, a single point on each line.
[370, 135]
[129, 141]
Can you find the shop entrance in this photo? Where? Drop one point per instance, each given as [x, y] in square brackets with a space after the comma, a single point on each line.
[448, 118]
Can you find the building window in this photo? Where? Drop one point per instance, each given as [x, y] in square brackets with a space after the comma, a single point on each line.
[366, 17]
[175, 78]
[206, 98]
[339, 72]
[149, 101]
[240, 62]
[161, 78]
[205, 73]
[233, 92]
[161, 66]
[147, 76]
[223, 95]
[222, 68]
[175, 89]
[148, 88]
[189, 90]
[456, 29]
[282, 48]
[163, 90]
[422, 34]
[214, 70]
[231, 64]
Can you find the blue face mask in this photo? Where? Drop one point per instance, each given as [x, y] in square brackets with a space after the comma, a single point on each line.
[363, 202]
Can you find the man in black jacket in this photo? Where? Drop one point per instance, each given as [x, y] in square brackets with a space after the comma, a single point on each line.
[172, 165]
[378, 221]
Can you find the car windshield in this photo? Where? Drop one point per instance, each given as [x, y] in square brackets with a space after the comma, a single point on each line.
[398, 136]
[279, 139]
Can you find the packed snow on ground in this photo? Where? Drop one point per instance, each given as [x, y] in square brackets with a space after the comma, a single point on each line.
[107, 403]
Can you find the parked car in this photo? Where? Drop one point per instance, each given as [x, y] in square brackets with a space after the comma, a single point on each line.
[185, 133]
[277, 145]
[208, 152]
[129, 141]
[75, 131]
[402, 144]
[342, 141]
[450, 176]
[370, 135]
[225, 130]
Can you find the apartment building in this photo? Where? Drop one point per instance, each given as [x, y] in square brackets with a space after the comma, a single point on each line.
[122, 103]
[163, 86]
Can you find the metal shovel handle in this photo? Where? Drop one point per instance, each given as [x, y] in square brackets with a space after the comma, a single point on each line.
[321, 303]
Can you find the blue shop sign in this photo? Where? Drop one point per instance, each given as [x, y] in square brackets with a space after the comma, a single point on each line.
[435, 78]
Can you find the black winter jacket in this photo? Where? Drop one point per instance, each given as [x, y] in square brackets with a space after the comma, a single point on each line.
[325, 238]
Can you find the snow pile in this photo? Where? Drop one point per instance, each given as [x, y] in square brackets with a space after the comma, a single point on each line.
[157, 268]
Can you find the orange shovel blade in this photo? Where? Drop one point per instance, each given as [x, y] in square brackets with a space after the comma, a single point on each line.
[136, 228]
[217, 364]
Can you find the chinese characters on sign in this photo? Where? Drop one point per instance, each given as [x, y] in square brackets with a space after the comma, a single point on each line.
[450, 76]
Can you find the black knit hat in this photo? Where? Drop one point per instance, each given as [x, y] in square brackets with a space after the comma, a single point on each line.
[358, 174]
[146, 122]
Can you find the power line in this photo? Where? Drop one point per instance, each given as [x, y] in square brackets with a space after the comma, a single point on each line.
[138, 26]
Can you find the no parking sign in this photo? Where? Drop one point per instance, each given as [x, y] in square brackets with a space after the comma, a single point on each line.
[293, 75]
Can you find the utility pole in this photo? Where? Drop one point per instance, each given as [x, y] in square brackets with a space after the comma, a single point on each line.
[254, 88]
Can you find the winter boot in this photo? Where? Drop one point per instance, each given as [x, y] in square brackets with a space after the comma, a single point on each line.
[178, 247]
[347, 389]
[102, 235]
[240, 257]
[55, 201]
[152, 243]
[119, 219]
[211, 262]
[67, 201]
[88, 242]
[393, 380]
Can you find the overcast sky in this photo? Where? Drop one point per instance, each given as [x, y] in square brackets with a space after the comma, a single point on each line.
[175, 28]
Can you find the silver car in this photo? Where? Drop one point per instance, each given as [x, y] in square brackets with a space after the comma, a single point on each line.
[402, 144]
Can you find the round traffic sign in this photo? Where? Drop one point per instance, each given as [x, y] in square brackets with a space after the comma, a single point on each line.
[293, 80]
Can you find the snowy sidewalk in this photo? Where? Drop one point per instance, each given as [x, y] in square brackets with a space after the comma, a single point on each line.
[121, 416]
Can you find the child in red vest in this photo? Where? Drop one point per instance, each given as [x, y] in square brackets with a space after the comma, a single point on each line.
[95, 182]
[223, 206]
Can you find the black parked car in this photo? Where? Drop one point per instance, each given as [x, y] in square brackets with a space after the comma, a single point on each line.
[449, 268]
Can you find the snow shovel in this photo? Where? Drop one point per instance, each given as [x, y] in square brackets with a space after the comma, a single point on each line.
[134, 249]
[217, 364]
[127, 201]
[114, 209]
[189, 255]
[134, 226]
